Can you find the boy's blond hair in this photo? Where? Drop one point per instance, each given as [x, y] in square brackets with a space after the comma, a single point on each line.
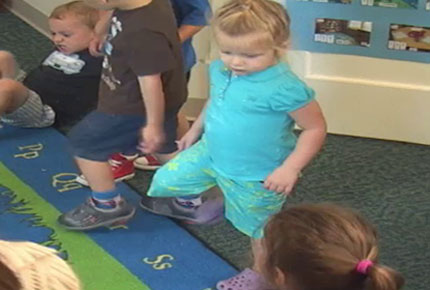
[88, 15]
[242, 17]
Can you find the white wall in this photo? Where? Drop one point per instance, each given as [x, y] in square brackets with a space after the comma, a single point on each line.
[371, 97]
[360, 96]
[45, 6]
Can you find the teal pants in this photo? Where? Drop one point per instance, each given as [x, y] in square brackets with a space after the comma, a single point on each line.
[248, 205]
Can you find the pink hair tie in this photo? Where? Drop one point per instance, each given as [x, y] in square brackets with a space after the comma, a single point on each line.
[363, 266]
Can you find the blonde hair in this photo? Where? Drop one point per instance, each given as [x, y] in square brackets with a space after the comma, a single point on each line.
[242, 17]
[318, 247]
[88, 15]
[30, 266]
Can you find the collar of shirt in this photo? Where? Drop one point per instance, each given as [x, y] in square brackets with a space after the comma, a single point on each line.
[260, 76]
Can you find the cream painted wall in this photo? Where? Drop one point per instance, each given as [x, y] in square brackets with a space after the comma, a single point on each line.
[360, 96]
[45, 6]
[371, 97]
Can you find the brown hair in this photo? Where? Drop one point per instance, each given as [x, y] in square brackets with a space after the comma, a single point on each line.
[88, 15]
[318, 247]
[241, 17]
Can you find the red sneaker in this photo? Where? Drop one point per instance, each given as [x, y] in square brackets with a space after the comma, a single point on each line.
[147, 162]
[122, 168]
[119, 157]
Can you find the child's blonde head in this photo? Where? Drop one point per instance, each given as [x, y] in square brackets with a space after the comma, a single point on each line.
[245, 17]
[88, 15]
[322, 247]
[30, 266]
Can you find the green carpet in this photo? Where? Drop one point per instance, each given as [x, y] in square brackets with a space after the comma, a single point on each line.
[388, 181]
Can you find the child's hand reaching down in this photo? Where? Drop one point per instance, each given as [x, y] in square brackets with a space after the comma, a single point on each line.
[188, 139]
[282, 180]
[96, 45]
[152, 137]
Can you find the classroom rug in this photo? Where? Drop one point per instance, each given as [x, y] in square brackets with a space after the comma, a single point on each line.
[151, 252]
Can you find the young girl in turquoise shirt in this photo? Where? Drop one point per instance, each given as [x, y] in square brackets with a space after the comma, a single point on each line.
[243, 141]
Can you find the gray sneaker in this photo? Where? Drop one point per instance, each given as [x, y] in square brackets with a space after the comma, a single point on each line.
[87, 217]
[211, 211]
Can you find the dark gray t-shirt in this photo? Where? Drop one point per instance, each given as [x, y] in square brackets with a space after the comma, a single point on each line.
[67, 83]
[142, 41]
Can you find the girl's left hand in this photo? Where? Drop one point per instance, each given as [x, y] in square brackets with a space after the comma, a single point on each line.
[282, 180]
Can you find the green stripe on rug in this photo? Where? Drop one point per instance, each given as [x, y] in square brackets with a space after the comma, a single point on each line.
[82, 251]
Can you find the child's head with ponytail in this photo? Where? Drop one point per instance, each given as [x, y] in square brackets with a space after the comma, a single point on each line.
[324, 247]
[244, 17]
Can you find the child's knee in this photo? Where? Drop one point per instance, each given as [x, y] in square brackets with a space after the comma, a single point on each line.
[7, 64]
[6, 92]
[162, 183]
[12, 94]
[6, 57]
[159, 179]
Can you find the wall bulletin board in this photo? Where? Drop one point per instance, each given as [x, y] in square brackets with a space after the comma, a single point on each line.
[393, 29]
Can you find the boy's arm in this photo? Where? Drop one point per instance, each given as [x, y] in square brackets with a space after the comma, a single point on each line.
[309, 143]
[100, 30]
[196, 14]
[153, 97]
[186, 31]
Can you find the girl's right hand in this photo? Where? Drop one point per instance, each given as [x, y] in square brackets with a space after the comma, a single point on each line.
[188, 139]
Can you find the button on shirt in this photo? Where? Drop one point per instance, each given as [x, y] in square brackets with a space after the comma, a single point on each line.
[248, 130]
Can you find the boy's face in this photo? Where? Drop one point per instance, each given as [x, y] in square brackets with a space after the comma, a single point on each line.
[70, 34]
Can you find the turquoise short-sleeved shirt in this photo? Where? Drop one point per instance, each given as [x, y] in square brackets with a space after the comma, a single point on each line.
[247, 127]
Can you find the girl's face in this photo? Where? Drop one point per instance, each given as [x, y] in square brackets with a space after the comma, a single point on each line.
[245, 54]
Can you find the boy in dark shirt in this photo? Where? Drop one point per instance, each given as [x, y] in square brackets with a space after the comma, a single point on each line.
[141, 91]
[66, 82]
[191, 16]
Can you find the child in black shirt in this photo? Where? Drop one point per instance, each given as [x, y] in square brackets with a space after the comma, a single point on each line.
[64, 87]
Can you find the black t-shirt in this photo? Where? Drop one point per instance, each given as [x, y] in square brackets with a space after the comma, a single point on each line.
[142, 41]
[67, 83]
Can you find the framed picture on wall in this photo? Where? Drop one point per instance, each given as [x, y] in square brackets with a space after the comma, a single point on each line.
[413, 4]
[428, 5]
[342, 32]
[407, 37]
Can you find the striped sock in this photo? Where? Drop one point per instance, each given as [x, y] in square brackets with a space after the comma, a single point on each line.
[189, 201]
[106, 200]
